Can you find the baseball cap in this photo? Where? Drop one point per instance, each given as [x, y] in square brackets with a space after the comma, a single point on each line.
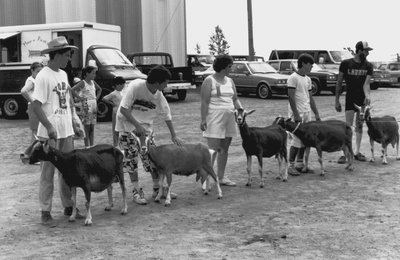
[363, 45]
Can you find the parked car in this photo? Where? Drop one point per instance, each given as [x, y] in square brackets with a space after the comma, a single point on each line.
[199, 76]
[386, 75]
[258, 78]
[322, 79]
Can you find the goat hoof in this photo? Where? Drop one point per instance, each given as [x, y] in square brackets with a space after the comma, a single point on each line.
[167, 204]
[124, 212]
[71, 220]
[261, 186]
[205, 192]
[278, 177]
[107, 209]
[248, 184]
[88, 222]
[220, 197]
[284, 180]
[322, 174]
[384, 163]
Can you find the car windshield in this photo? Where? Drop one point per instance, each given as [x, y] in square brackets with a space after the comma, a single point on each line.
[111, 57]
[394, 66]
[206, 59]
[261, 67]
[315, 67]
[153, 59]
[339, 56]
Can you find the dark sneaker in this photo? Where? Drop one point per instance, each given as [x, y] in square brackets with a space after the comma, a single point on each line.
[47, 220]
[68, 212]
[342, 160]
[304, 170]
[360, 157]
[292, 171]
[138, 197]
[164, 194]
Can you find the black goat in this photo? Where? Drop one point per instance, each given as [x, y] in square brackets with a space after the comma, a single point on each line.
[93, 169]
[384, 130]
[262, 142]
[328, 136]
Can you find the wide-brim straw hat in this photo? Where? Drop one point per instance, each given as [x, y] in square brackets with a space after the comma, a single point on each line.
[58, 43]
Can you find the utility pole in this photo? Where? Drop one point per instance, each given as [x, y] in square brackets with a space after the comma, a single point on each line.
[250, 29]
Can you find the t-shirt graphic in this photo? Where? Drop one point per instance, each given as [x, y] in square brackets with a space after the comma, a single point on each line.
[61, 91]
[144, 103]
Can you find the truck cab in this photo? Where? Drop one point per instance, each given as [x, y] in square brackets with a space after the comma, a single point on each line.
[181, 77]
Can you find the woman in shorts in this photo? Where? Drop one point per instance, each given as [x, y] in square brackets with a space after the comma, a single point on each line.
[218, 103]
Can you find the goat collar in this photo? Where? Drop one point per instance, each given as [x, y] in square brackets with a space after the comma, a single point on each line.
[297, 127]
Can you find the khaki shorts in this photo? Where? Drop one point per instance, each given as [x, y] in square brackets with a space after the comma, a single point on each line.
[220, 124]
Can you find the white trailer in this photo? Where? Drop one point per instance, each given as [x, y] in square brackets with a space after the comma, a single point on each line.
[21, 45]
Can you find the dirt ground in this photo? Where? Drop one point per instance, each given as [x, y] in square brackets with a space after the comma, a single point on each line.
[344, 215]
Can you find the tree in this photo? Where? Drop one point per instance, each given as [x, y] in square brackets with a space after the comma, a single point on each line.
[197, 49]
[218, 45]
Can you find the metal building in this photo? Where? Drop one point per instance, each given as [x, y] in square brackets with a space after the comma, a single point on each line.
[146, 25]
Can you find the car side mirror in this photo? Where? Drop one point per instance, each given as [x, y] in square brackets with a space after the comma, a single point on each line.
[247, 73]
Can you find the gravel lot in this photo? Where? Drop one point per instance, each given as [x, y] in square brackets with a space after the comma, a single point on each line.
[344, 215]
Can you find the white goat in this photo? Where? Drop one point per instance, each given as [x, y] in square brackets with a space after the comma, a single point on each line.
[183, 160]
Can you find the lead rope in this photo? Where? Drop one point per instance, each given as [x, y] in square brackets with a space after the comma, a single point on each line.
[298, 124]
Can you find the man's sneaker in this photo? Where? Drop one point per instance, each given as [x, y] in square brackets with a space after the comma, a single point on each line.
[360, 157]
[292, 171]
[47, 220]
[164, 194]
[226, 182]
[68, 212]
[138, 197]
[342, 159]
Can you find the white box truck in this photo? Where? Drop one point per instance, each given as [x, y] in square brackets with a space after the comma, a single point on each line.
[21, 45]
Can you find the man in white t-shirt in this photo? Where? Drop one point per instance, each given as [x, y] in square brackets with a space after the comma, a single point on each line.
[52, 105]
[301, 103]
[142, 102]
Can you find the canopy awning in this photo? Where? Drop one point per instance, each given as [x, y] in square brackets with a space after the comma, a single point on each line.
[6, 35]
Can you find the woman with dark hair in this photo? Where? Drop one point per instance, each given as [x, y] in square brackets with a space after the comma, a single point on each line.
[218, 103]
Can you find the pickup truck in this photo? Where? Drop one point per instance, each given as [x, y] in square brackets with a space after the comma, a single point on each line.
[182, 77]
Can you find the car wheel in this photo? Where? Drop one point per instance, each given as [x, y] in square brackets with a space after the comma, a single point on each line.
[104, 112]
[263, 91]
[315, 88]
[181, 94]
[374, 86]
[13, 107]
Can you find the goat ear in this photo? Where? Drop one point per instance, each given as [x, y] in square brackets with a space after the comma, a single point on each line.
[357, 107]
[250, 112]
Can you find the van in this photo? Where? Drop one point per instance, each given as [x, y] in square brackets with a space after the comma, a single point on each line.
[329, 59]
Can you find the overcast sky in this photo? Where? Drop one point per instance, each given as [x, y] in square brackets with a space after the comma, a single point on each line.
[296, 24]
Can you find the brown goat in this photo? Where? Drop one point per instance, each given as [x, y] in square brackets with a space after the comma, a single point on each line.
[328, 136]
[183, 160]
